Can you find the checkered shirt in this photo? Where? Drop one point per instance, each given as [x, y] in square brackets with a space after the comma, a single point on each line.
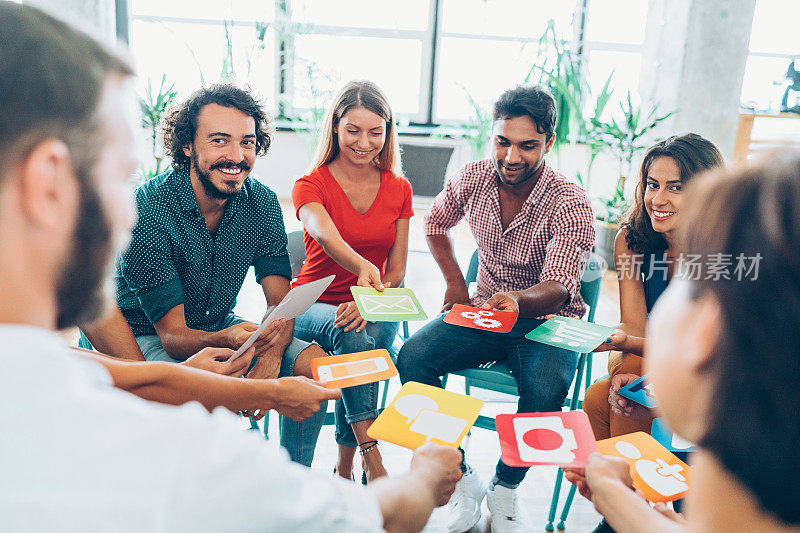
[549, 239]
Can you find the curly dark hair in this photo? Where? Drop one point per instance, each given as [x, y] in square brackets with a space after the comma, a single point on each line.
[180, 124]
[693, 155]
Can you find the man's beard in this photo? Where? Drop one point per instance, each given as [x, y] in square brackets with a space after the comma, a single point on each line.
[205, 177]
[525, 176]
[82, 292]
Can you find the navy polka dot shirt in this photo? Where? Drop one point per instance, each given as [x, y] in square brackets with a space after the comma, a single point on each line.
[173, 259]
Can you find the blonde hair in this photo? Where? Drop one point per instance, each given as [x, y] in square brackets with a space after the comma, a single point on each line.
[356, 94]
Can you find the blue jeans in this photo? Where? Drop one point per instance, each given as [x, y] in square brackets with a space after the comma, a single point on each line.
[299, 438]
[543, 372]
[357, 403]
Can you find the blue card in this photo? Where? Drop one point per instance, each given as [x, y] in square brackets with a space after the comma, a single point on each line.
[640, 392]
[668, 439]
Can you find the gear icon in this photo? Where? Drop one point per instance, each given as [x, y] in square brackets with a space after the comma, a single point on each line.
[484, 312]
[471, 315]
[487, 322]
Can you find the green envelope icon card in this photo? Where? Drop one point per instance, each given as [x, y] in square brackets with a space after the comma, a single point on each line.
[390, 305]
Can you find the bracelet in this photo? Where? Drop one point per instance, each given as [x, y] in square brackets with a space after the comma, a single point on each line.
[367, 446]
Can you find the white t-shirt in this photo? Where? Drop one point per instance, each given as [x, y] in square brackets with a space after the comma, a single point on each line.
[77, 454]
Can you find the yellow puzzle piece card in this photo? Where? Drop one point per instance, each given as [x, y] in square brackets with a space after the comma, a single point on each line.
[422, 413]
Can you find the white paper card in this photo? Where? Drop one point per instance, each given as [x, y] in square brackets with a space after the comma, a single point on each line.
[296, 302]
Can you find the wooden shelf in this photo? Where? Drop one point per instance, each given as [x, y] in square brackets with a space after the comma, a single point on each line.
[746, 145]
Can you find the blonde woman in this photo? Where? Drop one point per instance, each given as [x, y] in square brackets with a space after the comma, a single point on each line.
[355, 210]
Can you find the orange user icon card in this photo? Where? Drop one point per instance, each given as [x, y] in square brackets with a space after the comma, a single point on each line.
[349, 370]
[660, 475]
[422, 413]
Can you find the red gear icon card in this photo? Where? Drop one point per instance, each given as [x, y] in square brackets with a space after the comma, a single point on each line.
[561, 438]
[475, 317]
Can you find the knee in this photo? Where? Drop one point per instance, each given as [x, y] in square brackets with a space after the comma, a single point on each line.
[595, 400]
[409, 360]
[352, 341]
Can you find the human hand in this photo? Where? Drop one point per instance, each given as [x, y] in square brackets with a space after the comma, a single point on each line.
[440, 466]
[234, 336]
[662, 509]
[615, 342]
[348, 317]
[216, 360]
[503, 301]
[277, 335]
[577, 476]
[299, 397]
[369, 276]
[456, 293]
[603, 470]
[622, 406]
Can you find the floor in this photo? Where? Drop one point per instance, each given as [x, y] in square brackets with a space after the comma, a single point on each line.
[482, 446]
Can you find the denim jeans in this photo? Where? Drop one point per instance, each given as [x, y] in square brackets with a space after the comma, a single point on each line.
[360, 402]
[543, 372]
[299, 438]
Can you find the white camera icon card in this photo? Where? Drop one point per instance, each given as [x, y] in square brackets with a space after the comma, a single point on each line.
[558, 438]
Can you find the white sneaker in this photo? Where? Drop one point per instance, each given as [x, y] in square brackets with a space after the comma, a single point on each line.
[464, 507]
[502, 503]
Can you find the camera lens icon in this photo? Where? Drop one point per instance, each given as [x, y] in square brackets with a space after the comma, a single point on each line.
[544, 439]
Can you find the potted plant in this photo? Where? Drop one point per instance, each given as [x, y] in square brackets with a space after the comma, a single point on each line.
[153, 106]
[623, 137]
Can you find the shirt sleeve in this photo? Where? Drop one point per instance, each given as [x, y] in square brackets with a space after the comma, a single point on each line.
[271, 257]
[447, 208]
[306, 190]
[234, 481]
[149, 269]
[569, 248]
[407, 209]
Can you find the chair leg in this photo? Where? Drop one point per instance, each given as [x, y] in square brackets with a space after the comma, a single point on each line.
[254, 425]
[385, 394]
[573, 404]
[588, 371]
[554, 502]
[266, 425]
[467, 386]
[565, 509]
[444, 381]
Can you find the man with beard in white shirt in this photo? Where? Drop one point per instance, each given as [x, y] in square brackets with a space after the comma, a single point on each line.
[106, 460]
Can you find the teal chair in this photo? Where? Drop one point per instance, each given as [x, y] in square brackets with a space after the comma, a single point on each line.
[496, 375]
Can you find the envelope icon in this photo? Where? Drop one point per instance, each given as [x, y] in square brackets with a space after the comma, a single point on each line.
[393, 304]
[384, 305]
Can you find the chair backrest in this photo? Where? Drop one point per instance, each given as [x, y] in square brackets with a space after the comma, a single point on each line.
[297, 251]
[591, 281]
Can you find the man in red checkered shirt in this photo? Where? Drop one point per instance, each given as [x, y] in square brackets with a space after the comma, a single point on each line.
[534, 230]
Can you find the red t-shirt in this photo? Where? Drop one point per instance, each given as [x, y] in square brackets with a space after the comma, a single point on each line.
[371, 234]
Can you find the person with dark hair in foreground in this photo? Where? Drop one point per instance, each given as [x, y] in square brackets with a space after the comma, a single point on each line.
[534, 230]
[201, 226]
[106, 460]
[724, 362]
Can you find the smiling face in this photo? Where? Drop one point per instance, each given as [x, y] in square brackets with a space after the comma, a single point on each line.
[361, 135]
[662, 195]
[223, 150]
[518, 149]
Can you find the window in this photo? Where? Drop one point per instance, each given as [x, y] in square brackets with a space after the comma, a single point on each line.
[773, 45]
[430, 56]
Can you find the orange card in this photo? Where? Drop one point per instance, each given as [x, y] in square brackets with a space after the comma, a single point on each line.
[349, 370]
[477, 318]
[421, 413]
[654, 469]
